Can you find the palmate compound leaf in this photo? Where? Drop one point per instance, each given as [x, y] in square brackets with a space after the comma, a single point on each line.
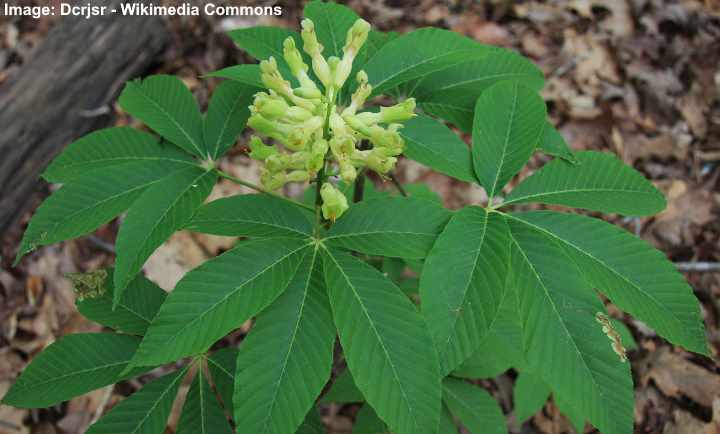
[145, 411]
[564, 344]
[134, 312]
[598, 182]
[529, 395]
[91, 200]
[162, 209]
[386, 344]
[475, 408]
[462, 283]
[419, 53]
[509, 121]
[386, 227]
[451, 93]
[74, 365]
[252, 215]
[226, 116]
[368, 422]
[431, 143]
[111, 147]
[166, 105]
[219, 296]
[343, 390]
[202, 413]
[636, 277]
[285, 360]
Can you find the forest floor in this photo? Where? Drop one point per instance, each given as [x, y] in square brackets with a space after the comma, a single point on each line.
[638, 78]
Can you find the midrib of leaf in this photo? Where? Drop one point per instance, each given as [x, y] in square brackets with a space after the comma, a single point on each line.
[506, 143]
[161, 109]
[375, 331]
[260, 223]
[415, 65]
[75, 373]
[477, 80]
[328, 25]
[356, 234]
[224, 127]
[157, 401]
[172, 205]
[590, 373]
[201, 398]
[221, 368]
[53, 226]
[459, 399]
[292, 342]
[133, 312]
[467, 285]
[234, 291]
[129, 159]
[599, 261]
[436, 153]
[578, 190]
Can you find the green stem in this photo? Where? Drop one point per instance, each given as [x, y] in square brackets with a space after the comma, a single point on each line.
[261, 190]
[398, 185]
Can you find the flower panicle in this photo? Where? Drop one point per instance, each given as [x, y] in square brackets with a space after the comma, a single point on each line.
[310, 131]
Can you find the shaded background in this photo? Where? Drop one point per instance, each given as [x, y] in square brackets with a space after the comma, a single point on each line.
[639, 78]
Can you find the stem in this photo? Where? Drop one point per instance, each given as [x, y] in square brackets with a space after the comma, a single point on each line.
[261, 190]
[321, 176]
[397, 185]
[359, 190]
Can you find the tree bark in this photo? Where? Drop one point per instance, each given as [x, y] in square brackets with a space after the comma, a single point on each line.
[64, 91]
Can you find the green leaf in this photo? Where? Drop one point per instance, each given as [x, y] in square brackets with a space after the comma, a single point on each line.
[222, 365]
[226, 116]
[201, 413]
[577, 420]
[420, 53]
[218, 297]
[368, 422]
[450, 94]
[447, 425]
[509, 119]
[463, 283]
[161, 210]
[246, 74]
[134, 312]
[332, 22]
[553, 143]
[626, 337]
[262, 42]
[166, 105]
[74, 365]
[381, 227]
[529, 395]
[287, 356]
[635, 276]
[144, 412]
[312, 424]
[90, 201]
[599, 182]
[420, 190]
[387, 347]
[564, 344]
[502, 347]
[343, 390]
[111, 147]
[252, 215]
[475, 408]
[431, 143]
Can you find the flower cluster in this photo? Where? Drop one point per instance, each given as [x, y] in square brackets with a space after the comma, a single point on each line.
[315, 133]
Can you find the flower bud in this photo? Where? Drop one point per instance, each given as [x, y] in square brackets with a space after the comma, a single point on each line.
[259, 150]
[272, 107]
[297, 114]
[348, 173]
[334, 202]
[308, 92]
[399, 112]
[342, 145]
[272, 181]
[313, 48]
[293, 57]
[298, 176]
[272, 79]
[276, 162]
[297, 160]
[356, 37]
